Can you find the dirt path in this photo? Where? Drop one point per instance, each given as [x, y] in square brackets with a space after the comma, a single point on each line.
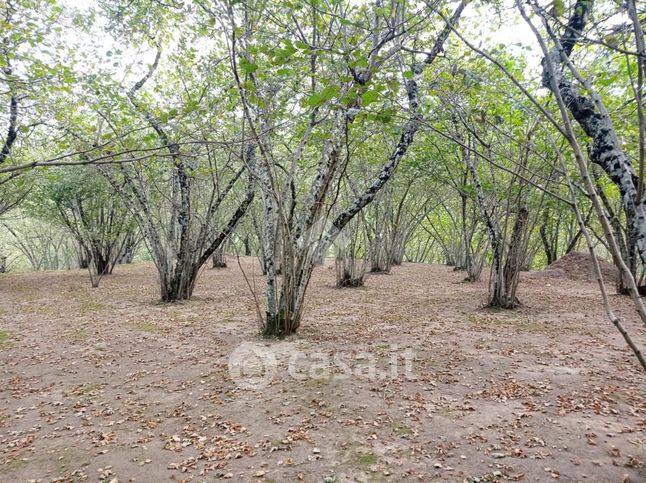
[108, 385]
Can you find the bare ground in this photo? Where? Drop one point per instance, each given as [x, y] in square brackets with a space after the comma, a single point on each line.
[109, 385]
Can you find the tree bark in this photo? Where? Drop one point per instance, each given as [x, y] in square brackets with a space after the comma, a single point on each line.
[594, 120]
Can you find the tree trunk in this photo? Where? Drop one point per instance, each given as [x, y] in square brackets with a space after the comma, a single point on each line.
[496, 279]
[549, 248]
[513, 264]
[218, 259]
[350, 270]
[247, 246]
[592, 117]
[178, 286]
[285, 319]
[102, 265]
[129, 248]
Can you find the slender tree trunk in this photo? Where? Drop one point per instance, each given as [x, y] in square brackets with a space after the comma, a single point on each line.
[218, 259]
[549, 248]
[496, 278]
[247, 246]
[513, 264]
[592, 117]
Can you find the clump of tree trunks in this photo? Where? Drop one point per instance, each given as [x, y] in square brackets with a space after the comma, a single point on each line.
[179, 228]
[218, 259]
[299, 239]
[349, 264]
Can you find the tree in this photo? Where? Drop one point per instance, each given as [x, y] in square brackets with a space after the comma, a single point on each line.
[352, 83]
[28, 73]
[45, 245]
[89, 209]
[181, 183]
[591, 114]
[598, 126]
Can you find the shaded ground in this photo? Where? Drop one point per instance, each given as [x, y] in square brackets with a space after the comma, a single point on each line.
[109, 385]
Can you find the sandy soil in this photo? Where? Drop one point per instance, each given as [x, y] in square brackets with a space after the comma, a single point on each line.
[109, 385]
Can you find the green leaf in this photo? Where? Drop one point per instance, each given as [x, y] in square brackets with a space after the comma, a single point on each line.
[319, 98]
[190, 107]
[385, 115]
[369, 97]
[247, 67]
[283, 55]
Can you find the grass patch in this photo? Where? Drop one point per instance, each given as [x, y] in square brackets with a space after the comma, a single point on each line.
[10, 466]
[5, 341]
[190, 320]
[448, 413]
[485, 321]
[367, 458]
[91, 306]
[281, 445]
[402, 429]
[32, 308]
[318, 381]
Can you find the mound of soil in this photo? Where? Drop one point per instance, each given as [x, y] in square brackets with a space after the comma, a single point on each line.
[579, 266]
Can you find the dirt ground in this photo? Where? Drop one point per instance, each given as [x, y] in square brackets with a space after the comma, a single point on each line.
[109, 385]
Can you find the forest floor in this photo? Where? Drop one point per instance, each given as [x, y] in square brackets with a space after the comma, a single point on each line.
[110, 385]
